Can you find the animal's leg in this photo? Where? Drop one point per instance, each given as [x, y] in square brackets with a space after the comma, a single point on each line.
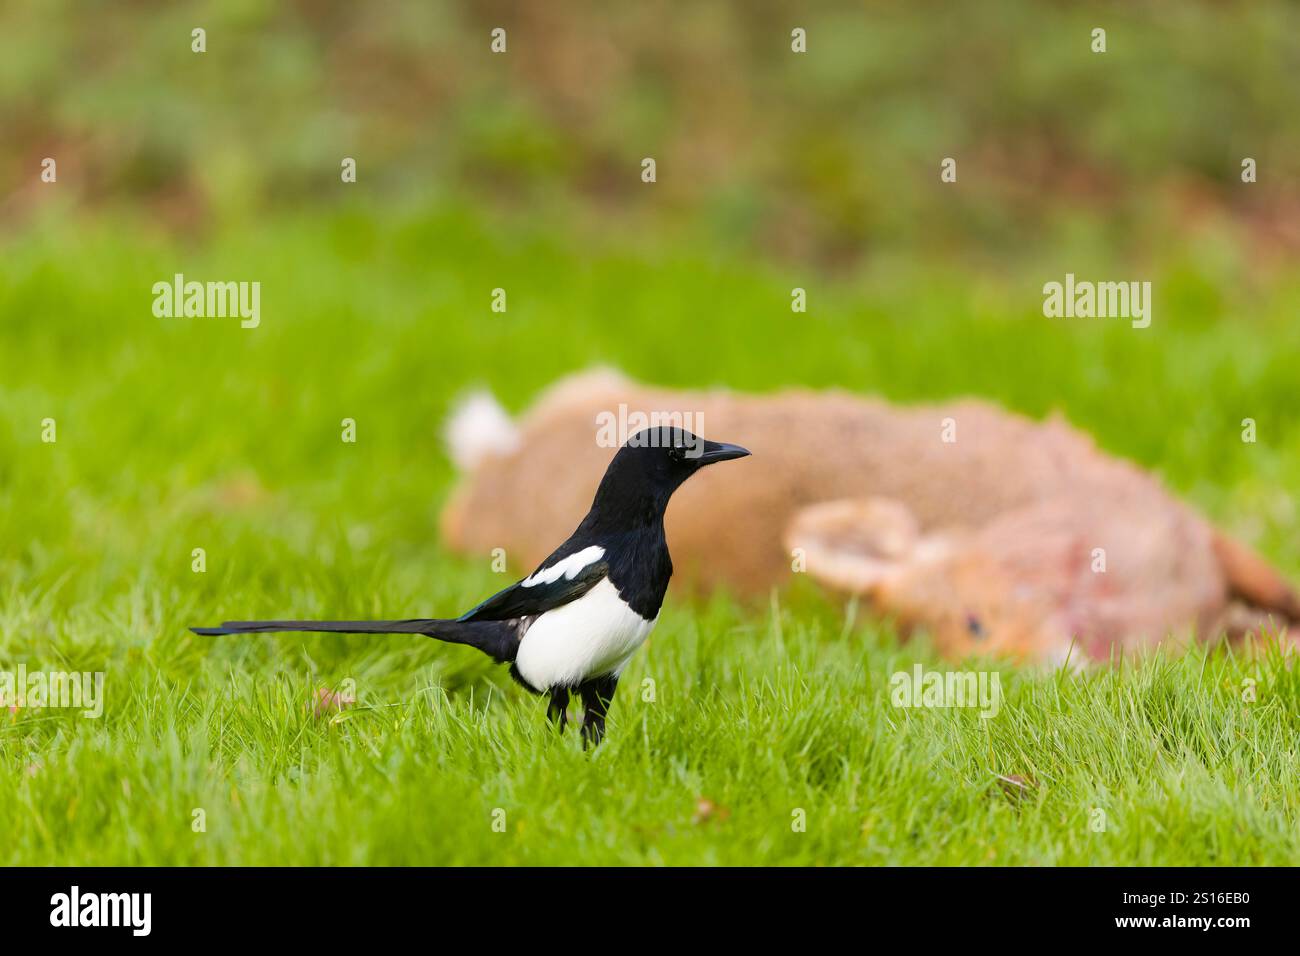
[596, 696]
[859, 544]
[557, 709]
[1254, 580]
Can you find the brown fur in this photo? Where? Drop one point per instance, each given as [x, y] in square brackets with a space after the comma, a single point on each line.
[987, 542]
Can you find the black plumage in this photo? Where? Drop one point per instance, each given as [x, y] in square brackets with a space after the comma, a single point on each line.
[600, 591]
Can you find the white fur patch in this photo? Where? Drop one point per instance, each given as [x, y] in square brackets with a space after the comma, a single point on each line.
[478, 428]
[595, 635]
[569, 567]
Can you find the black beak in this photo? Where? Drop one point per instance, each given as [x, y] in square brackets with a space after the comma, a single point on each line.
[719, 451]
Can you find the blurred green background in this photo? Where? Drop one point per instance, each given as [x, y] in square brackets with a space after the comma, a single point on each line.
[775, 170]
[522, 171]
[828, 158]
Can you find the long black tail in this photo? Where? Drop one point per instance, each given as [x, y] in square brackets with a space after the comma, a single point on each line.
[499, 639]
[427, 626]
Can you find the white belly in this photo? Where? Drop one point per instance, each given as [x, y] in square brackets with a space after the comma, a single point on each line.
[589, 637]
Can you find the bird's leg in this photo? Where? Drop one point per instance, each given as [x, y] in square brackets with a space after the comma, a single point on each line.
[596, 696]
[557, 710]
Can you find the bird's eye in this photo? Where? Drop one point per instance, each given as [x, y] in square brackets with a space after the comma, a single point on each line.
[675, 453]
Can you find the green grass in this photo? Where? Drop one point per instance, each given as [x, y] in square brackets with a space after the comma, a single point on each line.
[179, 434]
[758, 719]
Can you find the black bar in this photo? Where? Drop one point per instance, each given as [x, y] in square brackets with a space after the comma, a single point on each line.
[333, 906]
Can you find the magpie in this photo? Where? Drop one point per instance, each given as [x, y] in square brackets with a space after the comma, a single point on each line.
[574, 623]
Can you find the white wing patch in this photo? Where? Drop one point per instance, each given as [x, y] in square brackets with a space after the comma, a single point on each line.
[567, 568]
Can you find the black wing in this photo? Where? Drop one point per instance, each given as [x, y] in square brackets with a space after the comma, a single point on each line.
[519, 600]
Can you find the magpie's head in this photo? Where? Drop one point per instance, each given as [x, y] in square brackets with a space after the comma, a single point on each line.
[671, 455]
[655, 461]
